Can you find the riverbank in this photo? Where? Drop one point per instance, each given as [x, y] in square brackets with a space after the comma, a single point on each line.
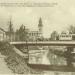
[14, 61]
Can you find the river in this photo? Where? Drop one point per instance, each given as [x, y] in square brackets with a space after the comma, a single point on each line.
[42, 56]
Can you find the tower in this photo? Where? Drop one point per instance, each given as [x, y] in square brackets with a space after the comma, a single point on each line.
[11, 36]
[40, 25]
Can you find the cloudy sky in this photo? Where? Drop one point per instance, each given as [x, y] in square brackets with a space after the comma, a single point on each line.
[58, 17]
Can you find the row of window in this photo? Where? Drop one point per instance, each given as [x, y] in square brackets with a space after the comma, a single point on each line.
[34, 34]
[65, 35]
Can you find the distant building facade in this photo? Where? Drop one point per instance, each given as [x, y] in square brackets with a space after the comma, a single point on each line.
[36, 35]
[2, 35]
[66, 36]
[10, 35]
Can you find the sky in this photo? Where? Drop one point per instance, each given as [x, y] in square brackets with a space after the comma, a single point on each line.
[57, 17]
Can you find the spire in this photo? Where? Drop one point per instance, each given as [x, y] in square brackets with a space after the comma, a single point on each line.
[40, 25]
[10, 22]
[10, 25]
[40, 22]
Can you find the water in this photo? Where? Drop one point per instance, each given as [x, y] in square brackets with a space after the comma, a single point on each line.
[58, 73]
[42, 57]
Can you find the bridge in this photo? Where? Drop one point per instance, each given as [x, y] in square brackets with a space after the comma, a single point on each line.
[67, 54]
[45, 43]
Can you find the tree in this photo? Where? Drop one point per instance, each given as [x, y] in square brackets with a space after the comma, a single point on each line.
[71, 29]
[22, 33]
[17, 35]
[54, 35]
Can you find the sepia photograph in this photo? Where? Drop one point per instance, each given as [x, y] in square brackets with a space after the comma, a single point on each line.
[37, 37]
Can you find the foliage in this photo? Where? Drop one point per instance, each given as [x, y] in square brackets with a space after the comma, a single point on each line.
[14, 61]
[54, 35]
[21, 34]
[71, 29]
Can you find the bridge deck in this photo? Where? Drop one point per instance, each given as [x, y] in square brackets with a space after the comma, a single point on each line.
[46, 43]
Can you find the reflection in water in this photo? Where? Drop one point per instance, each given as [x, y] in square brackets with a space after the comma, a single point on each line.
[46, 57]
[58, 73]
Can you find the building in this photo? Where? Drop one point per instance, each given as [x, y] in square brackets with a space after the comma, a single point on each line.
[10, 37]
[66, 36]
[2, 35]
[10, 32]
[36, 35]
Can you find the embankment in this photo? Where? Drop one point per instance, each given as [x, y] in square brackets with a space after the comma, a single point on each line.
[13, 60]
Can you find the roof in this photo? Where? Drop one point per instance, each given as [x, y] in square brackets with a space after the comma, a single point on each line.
[2, 30]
